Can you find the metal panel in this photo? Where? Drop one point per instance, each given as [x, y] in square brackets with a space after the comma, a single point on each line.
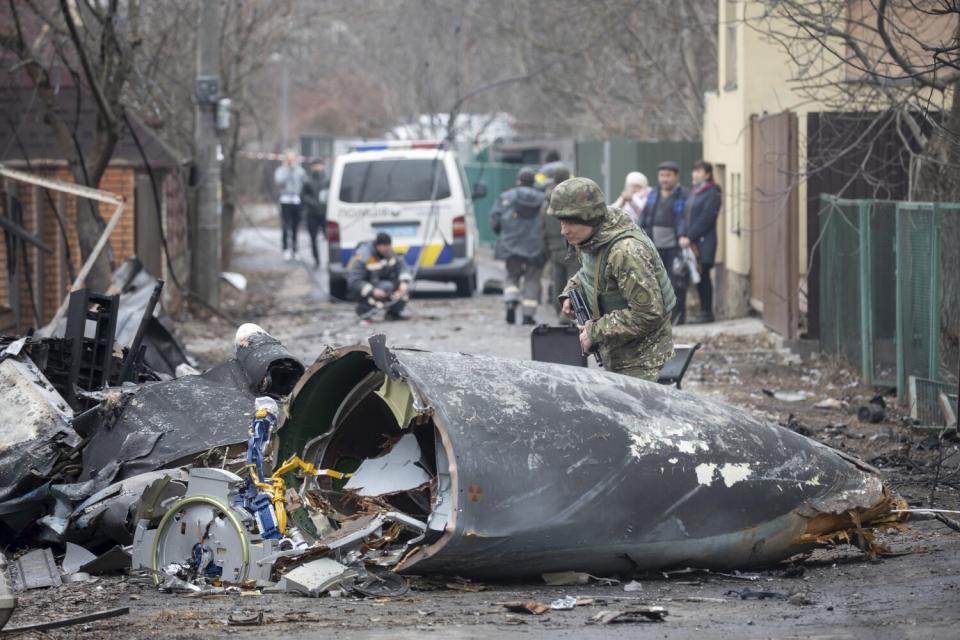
[882, 285]
[918, 292]
[590, 161]
[632, 155]
[498, 177]
[837, 166]
[840, 279]
[774, 221]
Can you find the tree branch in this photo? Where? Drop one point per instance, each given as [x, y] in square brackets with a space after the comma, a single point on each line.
[95, 88]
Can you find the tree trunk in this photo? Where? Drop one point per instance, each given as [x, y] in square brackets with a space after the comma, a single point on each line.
[89, 223]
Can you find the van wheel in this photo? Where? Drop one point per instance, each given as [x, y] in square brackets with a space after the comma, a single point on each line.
[466, 285]
[338, 290]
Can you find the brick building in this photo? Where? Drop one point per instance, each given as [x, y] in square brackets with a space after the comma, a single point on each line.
[35, 281]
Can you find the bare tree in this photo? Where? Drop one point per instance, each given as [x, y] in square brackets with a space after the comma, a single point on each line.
[255, 38]
[901, 57]
[96, 43]
[617, 67]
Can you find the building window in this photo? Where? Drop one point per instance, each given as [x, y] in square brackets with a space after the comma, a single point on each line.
[730, 45]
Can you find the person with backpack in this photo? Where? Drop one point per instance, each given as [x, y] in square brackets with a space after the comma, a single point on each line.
[517, 221]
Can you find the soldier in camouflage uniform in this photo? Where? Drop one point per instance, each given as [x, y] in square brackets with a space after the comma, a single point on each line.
[622, 279]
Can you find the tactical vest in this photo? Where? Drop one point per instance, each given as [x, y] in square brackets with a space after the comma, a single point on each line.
[607, 300]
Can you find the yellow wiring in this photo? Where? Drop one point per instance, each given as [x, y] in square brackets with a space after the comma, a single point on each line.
[277, 486]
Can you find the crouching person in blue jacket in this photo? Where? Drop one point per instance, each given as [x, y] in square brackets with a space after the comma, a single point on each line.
[378, 278]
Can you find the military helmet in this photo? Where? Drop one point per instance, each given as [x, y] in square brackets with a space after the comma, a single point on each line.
[578, 199]
[526, 176]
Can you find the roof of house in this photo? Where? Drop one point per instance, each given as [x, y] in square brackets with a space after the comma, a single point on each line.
[25, 136]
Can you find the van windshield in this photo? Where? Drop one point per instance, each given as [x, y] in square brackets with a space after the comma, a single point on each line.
[393, 180]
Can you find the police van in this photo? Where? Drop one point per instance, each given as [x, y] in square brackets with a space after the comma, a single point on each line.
[415, 191]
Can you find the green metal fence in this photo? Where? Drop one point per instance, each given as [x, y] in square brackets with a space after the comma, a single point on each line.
[621, 156]
[498, 177]
[881, 284]
[607, 165]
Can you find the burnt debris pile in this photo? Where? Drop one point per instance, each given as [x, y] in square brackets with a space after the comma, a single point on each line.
[374, 463]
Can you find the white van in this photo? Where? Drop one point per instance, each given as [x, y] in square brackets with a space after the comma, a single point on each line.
[415, 191]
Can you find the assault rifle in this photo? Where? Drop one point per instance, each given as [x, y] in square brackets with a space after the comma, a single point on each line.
[582, 312]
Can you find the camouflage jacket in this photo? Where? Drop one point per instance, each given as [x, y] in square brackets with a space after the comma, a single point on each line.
[639, 334]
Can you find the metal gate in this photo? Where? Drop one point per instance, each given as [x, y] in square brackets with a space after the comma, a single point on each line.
[774, 222]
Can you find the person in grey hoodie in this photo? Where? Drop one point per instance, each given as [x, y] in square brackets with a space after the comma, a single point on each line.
[517, 220]
[289, 178]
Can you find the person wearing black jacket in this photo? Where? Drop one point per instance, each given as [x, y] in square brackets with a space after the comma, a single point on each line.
[703, 207]
[314, 199]
[662, 220]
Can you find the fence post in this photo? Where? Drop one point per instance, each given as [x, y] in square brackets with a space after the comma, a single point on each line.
[899, 346]
[866, 293]
[934, 328]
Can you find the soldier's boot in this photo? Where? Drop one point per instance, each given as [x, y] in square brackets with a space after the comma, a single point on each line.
[511, 312]
[529, 320]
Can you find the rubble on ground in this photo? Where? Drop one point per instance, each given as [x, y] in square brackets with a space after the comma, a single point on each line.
[377, 463]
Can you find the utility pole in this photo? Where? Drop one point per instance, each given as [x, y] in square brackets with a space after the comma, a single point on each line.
[206, 251]
[285, 102]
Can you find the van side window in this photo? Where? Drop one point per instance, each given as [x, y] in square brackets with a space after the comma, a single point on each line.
[394, 180]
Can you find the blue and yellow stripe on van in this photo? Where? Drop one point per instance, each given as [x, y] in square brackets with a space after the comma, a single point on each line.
[434, 254]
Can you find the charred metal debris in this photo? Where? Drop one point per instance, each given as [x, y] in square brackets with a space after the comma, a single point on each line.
[374, 463]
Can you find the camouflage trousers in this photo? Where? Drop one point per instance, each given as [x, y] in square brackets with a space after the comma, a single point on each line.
[644, 373]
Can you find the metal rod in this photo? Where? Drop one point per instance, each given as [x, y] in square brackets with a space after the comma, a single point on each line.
[66, 622]
[23, 234]
[62, 185]
[134, 352]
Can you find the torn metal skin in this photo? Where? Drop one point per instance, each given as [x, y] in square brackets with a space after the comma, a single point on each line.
[538, 467]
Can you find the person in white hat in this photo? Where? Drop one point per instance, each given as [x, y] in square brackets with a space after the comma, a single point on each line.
[636, 188]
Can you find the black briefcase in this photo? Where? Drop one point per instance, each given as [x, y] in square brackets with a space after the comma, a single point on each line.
[557, 344]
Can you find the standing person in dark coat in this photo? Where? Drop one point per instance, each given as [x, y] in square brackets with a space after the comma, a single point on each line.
[662, 219]
[517, 220]
[700, 222]
[314, 199]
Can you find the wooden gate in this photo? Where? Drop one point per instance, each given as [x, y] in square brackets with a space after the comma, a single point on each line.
[774, 221]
